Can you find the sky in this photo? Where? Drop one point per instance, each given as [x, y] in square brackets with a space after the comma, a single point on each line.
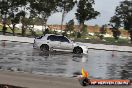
[105, 7]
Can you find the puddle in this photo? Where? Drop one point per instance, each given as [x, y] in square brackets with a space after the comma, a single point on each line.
[21, 57]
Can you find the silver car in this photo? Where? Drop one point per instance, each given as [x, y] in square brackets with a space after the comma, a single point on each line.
[58, 42]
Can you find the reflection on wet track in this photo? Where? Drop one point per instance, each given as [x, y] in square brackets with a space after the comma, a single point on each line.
[21, 57]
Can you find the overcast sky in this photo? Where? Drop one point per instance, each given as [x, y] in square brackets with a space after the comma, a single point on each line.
[105, 7]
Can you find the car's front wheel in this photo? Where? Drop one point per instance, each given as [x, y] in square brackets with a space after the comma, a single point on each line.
[44, 47]
[77, 50]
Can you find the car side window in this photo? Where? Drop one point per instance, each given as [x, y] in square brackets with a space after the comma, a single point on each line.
[57, 38]
[63, 39]
[51, 38]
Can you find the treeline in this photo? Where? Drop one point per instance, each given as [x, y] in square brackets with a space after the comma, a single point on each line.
[25, 11]
[29, 12]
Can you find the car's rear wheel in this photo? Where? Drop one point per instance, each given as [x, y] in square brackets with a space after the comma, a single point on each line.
[44, 47]
[77, 50]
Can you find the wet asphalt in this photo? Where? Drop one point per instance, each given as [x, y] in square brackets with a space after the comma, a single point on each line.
[21, 57]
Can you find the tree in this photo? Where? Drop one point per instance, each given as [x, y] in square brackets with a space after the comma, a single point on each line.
[85, 12]
[14, 19]
[14, 14]
[70, 26]
[43, 9]
[85, 30]
[10, 9]
[96, 27]
[23, 19]
[103, 31]
[124, 13]
[65, 6]
[115, 23]
[31, 21]
[3, 12]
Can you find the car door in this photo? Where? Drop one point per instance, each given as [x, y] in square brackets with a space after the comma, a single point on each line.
[53, 42]
[65, 43]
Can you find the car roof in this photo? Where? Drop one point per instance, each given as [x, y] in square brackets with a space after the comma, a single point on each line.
[53, 34]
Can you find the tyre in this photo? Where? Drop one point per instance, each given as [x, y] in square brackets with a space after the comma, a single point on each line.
[44, 47]
[77, 50]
